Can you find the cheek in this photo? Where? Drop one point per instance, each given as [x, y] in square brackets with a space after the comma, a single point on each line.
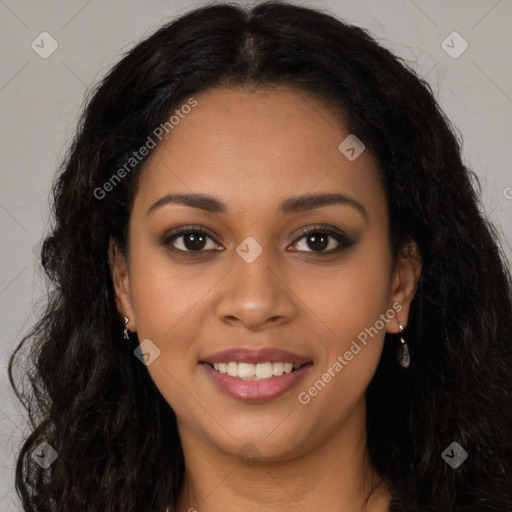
[349, 297]
[350, 349]
[350, 304]
[164, 293]
[167, 299]
[367, 282]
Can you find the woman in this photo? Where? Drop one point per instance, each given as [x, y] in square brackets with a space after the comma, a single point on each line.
[273, 287]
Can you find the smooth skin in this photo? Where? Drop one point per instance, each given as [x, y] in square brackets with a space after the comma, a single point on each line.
[252, 149]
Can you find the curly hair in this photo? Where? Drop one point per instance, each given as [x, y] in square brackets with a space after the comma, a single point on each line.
[96, 405]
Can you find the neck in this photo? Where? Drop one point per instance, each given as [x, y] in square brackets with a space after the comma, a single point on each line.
[334, 475]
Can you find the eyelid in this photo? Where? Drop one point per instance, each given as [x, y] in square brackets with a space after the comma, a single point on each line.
[324, 228]
[182, 230]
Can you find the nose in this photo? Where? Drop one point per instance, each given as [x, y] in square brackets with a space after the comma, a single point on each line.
[256, 295]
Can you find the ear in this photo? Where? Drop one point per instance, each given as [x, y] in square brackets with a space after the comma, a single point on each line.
[121, 281]
[404, 283]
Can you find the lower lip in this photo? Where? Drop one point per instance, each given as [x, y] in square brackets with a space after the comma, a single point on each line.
[256, 390]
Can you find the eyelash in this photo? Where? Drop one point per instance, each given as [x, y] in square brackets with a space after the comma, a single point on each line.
[342, 239]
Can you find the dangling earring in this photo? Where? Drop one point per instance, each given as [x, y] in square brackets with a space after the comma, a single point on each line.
[126, 320]
[404, 358]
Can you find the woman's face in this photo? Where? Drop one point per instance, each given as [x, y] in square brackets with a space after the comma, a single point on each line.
[255, 285]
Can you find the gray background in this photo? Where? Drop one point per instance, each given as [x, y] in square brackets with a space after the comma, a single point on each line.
[40, 100]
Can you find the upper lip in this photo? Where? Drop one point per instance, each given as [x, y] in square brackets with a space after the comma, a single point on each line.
[254, 356]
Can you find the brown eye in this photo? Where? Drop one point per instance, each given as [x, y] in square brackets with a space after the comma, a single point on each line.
[322, 240]
[190, 240]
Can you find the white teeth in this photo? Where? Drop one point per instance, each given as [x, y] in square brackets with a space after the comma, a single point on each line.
[232, 369]
[277, 369]
[246, 370]
[264, 370]
[259, 371]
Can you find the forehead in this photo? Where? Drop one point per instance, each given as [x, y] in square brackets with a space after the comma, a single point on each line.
[254, 148]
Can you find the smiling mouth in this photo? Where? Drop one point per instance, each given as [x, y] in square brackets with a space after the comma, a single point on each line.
[259, 371]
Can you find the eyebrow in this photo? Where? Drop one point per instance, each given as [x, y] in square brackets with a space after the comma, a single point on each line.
[293, 204]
